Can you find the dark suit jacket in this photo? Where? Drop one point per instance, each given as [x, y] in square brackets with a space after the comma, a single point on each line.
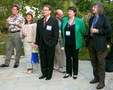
[49, 34]
[100, 38]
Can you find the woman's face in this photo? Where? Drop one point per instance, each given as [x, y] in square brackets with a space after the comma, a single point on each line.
[71, 13]
[29, 18]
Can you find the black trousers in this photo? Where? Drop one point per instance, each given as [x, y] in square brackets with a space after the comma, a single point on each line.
[47, 59]
[71, 59]
[97, 61]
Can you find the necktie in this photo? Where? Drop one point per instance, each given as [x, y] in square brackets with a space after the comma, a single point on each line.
[44, 21]
[94, 21]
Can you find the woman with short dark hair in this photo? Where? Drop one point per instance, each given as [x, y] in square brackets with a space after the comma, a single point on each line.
[72, 30]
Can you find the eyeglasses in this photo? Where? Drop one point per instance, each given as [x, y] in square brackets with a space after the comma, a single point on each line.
[45, 10]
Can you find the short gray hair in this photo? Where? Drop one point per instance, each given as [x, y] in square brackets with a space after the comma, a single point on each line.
[100, 7]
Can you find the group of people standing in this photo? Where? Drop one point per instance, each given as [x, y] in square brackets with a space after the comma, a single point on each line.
[50, 33]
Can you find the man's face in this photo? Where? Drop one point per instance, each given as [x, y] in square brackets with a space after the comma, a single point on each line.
[59, 15]
[46, 11]
[14, 10]
[95, 9]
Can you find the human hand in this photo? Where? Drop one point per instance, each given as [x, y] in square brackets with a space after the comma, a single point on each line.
[22, 33]
[18, 25]
[94, 30]
[7, 21]
[34, 46]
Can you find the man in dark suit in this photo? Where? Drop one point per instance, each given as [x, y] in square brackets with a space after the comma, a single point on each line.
[99, 28]
[46, 39]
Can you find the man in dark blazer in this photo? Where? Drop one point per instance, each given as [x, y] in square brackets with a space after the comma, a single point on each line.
[46, 39]
[99, 29]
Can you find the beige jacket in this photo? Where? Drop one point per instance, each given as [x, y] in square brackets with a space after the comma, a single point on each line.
[29, 31]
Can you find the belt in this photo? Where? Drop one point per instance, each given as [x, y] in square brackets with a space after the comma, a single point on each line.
[14, 31]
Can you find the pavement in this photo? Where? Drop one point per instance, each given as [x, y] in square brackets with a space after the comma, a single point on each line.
[17, 79]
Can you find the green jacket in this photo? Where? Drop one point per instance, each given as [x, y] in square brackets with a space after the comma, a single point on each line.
[79, 30]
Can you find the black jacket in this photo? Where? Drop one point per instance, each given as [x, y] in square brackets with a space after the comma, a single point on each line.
[100, 39]
[48, 33]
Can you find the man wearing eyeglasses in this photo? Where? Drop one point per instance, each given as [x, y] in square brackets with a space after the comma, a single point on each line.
[13, 23]
[46, 39]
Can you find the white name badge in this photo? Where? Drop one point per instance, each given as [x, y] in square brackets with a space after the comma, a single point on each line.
[48, 28]
[67, 33]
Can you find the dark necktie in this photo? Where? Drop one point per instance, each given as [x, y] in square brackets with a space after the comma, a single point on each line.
[44, 21]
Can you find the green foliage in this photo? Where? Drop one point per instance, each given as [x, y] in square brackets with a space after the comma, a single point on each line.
[66, 4]
[2, 46]
[83, 53]
[5, 11]
[109, 11]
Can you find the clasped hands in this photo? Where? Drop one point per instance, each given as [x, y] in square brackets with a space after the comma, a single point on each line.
[18, 25]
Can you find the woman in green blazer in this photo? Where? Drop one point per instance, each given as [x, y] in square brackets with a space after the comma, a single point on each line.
[73, 29]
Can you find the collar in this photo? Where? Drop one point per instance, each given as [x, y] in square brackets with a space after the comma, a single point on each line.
[96, 16]
[58, 19]
[73, 20]
[47, 18]
[15, 16]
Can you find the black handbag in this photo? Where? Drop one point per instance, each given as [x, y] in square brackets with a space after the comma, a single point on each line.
[109, 65]
[109, 61]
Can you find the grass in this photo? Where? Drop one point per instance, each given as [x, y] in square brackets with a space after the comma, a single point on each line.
[83, 53]
[3, 38]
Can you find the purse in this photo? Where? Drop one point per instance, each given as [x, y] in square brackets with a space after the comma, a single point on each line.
[34, 56]
[109, 65]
